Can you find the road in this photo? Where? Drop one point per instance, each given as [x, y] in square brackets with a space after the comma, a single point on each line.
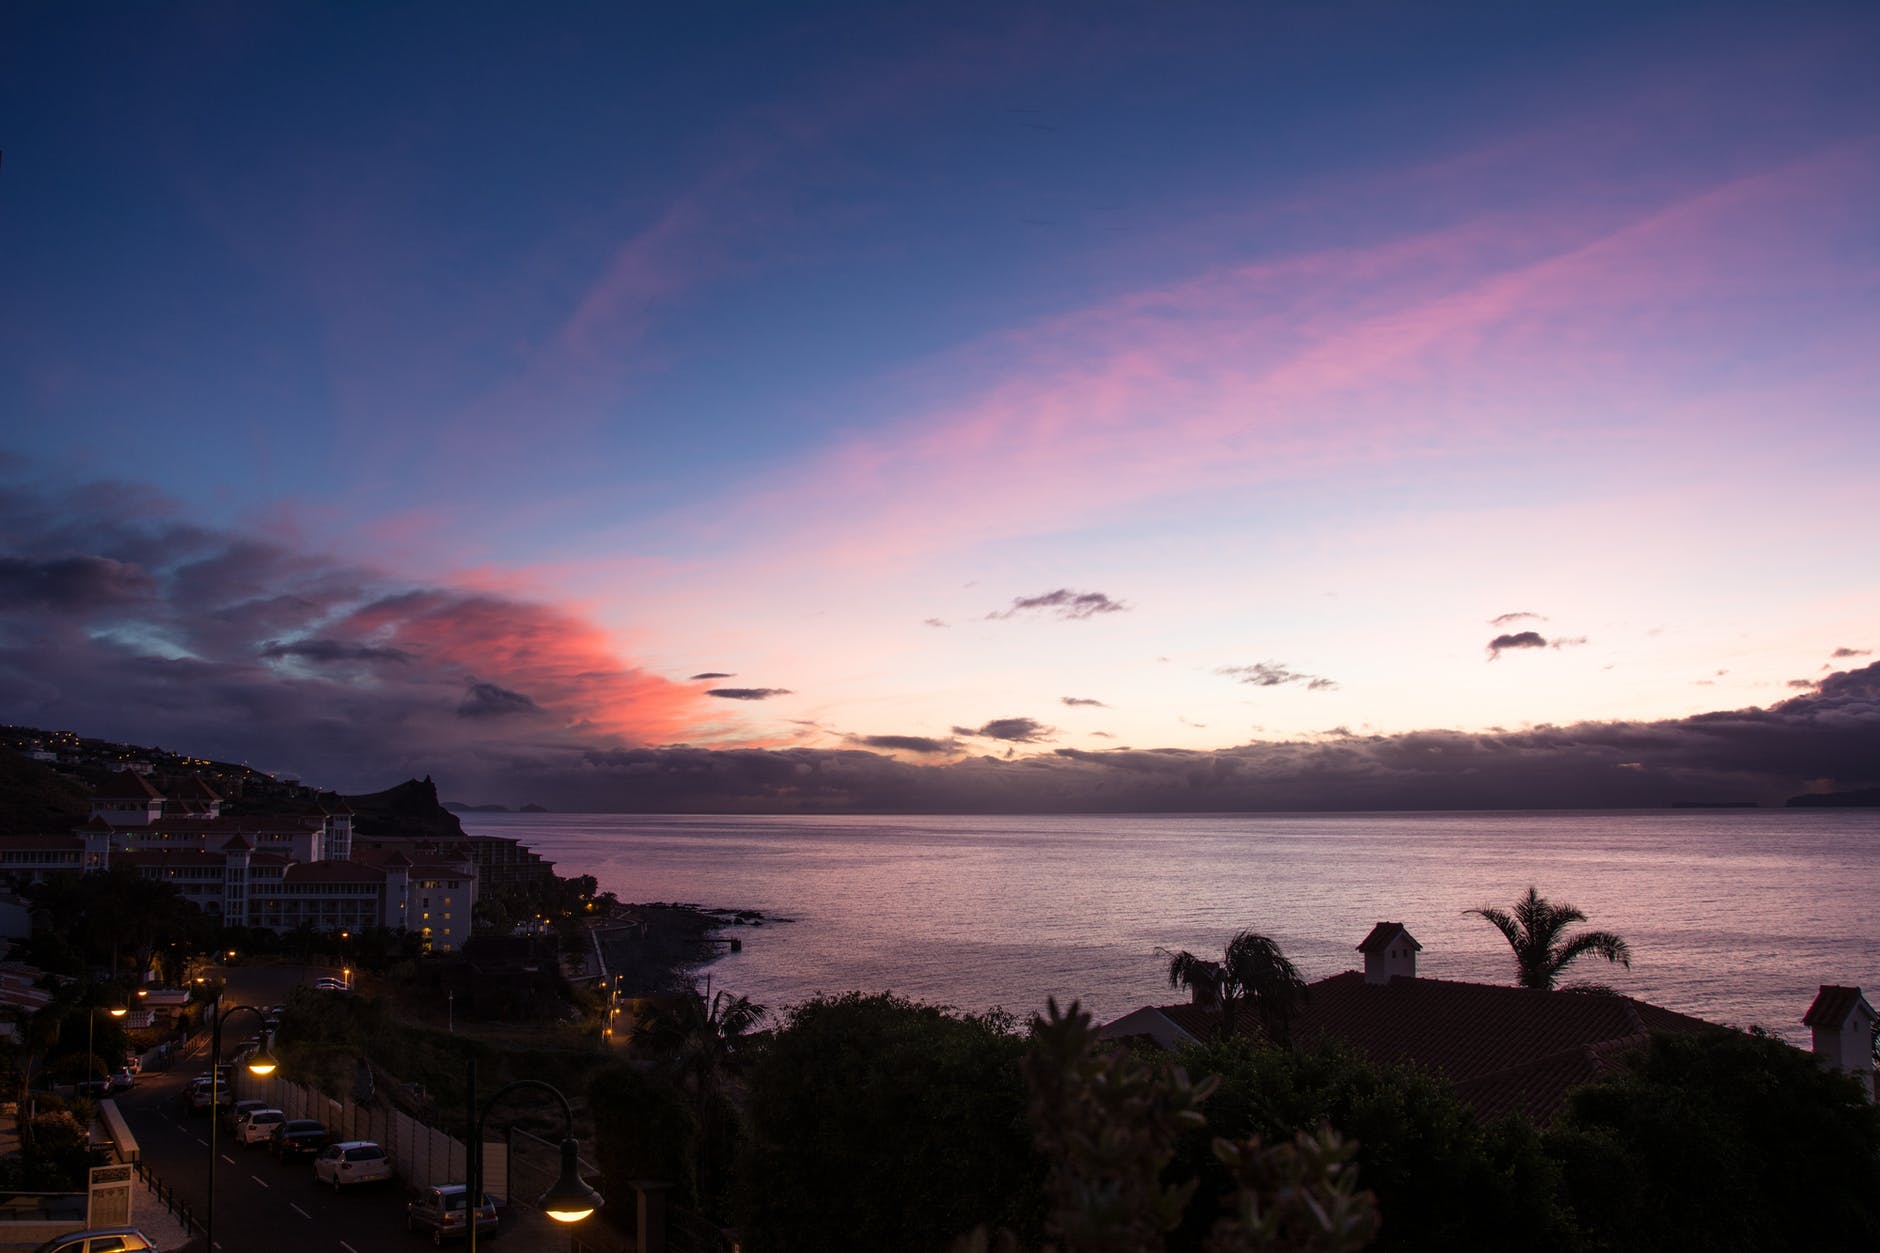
[264, 1205]
[261, 1203]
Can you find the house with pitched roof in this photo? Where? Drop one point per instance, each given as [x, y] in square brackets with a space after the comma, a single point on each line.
[1843, 1026]
[1504, 1049]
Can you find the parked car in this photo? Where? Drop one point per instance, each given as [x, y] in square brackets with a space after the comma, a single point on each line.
[99, 1240]
[232, 1114]
[201, 1098]
[257, 1125]
[124, 1080]
[351, 1162]
[297, 1136]
[441, 1210]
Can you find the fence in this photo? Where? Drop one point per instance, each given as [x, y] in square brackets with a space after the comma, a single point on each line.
[166, 1197]
[421, 1154]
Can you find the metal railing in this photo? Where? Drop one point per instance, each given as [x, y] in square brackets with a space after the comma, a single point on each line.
[166, 1197]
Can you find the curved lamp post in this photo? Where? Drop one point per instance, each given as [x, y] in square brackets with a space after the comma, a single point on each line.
[261, 1065]
[568, 1201]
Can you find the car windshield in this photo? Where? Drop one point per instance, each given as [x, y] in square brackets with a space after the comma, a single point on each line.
[455, 1200]
[371, 1153]
[302, 1124]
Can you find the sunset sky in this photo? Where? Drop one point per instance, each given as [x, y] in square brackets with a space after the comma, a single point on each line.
[556, 400]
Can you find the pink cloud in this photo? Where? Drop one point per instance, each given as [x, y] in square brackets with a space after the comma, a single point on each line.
[1445, 341]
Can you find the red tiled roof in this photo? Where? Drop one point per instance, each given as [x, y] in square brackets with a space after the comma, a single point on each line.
[126, 785]
[1382, 934]
[192, 788]
[1832, 1006]
[1511, 1047]
[1539, 1088]
[42, 843]
[237, 824]
[331, 872]
[236, 844]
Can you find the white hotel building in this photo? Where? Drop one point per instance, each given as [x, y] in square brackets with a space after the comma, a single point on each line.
[274, 871]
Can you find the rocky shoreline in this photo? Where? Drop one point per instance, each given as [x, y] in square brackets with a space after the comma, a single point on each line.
[657, 949]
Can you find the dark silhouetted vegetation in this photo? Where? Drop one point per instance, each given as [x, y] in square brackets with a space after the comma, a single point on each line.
[1536, 930]
[1721, 1141]
[878, 1123]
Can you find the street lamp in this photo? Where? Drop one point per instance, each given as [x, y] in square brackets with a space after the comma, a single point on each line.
[261, 1065]
[91, 1032]
[569, 1200]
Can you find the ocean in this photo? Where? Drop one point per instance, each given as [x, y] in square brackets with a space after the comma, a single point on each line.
[1735, 916]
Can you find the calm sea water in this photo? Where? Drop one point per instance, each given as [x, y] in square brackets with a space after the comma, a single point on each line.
[1735, 916]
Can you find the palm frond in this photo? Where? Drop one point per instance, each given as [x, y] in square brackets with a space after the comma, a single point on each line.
[1604, 943]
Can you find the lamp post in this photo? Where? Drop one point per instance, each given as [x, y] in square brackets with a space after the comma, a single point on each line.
[261, 1064]
[91, 1032]
[568, 1201]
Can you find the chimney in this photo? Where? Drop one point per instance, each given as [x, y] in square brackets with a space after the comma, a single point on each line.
[1842, 1021]
[1389, 953]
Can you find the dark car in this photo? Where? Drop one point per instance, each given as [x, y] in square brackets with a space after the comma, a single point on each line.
[441, 1211]
[297, 1136]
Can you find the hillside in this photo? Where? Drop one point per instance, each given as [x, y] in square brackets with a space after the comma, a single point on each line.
[410, 808]
[35, 798]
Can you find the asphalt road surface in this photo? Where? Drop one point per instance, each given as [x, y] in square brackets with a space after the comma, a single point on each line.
[263, 1205]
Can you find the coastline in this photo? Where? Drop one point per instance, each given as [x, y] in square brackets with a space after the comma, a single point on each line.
[657, 949]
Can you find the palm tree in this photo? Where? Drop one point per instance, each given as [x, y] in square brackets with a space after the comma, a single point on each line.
[1541, 952]
[1251, 969]
[702, 1041]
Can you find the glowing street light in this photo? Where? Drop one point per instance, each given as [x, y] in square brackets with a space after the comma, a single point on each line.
[261, 1065]
[569, 1200]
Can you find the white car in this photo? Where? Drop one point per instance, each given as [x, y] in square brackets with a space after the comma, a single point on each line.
[351, 1162]
[257, 1125]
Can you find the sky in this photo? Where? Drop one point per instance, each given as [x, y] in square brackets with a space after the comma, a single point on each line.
[1174, 406]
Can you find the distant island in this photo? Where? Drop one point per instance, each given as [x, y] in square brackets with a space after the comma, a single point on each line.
[1861, 798]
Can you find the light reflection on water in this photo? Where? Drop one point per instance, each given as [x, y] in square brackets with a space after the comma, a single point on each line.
[1735, 916]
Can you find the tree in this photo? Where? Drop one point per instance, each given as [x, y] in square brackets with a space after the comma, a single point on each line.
[1252, 969]
[1721, 1140]
[702, 1044]
[1443, 1179]
[1541, 953]
[1109, 1121]
[879, 1123]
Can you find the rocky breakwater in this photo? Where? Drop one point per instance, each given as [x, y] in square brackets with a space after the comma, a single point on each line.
[657, 949]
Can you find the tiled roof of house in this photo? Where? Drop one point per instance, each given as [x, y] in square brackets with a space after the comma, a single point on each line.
[1832, 1006]
[42, 843]
[331, 872]
[1539, 1088]
[1507, 1047]
[192, 788]
[227, 824]
[1382, 934]
[126, 785]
